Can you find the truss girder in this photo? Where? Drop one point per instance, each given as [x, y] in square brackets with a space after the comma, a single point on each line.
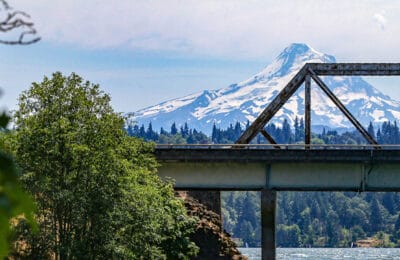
[314, 70]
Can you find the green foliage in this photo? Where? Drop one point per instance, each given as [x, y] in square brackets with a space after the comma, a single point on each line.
[151, 222]
[289, 235]
[97, 191]
[184, 136]
[317, 219]
[14, 201]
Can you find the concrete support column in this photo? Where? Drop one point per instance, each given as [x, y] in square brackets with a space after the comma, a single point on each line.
[268, 210]
[209, 198]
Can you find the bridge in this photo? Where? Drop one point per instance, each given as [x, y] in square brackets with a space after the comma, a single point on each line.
[293, 168]
[286, 167]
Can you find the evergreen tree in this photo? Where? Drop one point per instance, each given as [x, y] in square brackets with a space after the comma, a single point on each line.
[376, 216]
[237, 130]
[185, 130]
[174, 130]
[298, 130]
[215, 135]
[395, 135]
[379, 137]
[142, 132]
[150, 134]
[163, 132]
[286, 133]
[371, 130]
[247, 124]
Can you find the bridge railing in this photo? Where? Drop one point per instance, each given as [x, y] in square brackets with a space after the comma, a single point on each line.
[282, 146]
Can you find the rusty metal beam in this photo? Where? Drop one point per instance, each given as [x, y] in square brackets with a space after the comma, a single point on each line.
[355, 69]
[273, 107]
[270, 139]
[342, 108]
[307, 111]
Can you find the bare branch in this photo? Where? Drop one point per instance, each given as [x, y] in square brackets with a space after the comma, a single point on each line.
[17, 20]
[5, 4]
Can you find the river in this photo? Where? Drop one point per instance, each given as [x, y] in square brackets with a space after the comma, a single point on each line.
[327, 253]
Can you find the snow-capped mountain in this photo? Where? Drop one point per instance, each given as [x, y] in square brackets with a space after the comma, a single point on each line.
[245, 100]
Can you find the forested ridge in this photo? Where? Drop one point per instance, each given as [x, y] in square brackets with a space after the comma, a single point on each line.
[317, 219]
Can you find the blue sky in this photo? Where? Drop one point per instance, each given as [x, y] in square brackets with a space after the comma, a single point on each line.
[144, 52]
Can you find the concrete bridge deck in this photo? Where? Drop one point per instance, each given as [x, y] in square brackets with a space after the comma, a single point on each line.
[291, 168]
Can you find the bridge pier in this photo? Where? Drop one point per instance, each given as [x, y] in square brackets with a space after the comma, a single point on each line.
[268, 214]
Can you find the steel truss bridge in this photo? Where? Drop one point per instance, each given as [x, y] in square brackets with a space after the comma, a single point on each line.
[287, 167]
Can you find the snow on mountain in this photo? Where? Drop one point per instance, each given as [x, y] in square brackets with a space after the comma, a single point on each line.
[246, 100]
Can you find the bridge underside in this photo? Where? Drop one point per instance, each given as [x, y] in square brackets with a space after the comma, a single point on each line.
[283, 176]
[290, 170]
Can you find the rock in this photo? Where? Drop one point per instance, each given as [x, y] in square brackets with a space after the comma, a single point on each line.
[213, 241]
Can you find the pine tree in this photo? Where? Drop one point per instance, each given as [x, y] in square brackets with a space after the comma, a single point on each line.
[247, 124]
[395, 134]
[296, 130]
[185, 131]
[174, 130]
[376, 218]
[163, 132]
[379, 137]
[150, 134]
[215, 134]
[286, 132]
[371, 130]
[142, 132]
[237, 130]
[301, 129]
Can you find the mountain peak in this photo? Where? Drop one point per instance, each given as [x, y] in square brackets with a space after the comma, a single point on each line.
[246, 100]
[290, 60]
[297, 48]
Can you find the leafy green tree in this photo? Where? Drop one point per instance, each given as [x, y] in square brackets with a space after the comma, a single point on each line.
[332, 228]
[288, 236]
[357, 233]
[15, 203]
[96, 189]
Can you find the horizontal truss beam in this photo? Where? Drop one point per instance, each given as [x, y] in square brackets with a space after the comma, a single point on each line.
[355, 69]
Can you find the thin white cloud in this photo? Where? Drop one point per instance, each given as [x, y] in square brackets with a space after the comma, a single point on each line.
[235, 28]
[380, 19]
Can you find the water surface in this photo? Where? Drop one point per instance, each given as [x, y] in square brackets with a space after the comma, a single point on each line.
[327, 253]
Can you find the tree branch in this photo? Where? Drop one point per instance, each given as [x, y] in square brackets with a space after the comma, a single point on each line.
[14, 20]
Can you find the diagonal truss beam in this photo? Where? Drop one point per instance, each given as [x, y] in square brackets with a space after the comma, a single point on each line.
[270, 139]
[273, 107]
[342, 108]
[313, 70]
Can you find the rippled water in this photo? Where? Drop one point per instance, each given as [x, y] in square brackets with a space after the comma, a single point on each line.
[327, 253]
